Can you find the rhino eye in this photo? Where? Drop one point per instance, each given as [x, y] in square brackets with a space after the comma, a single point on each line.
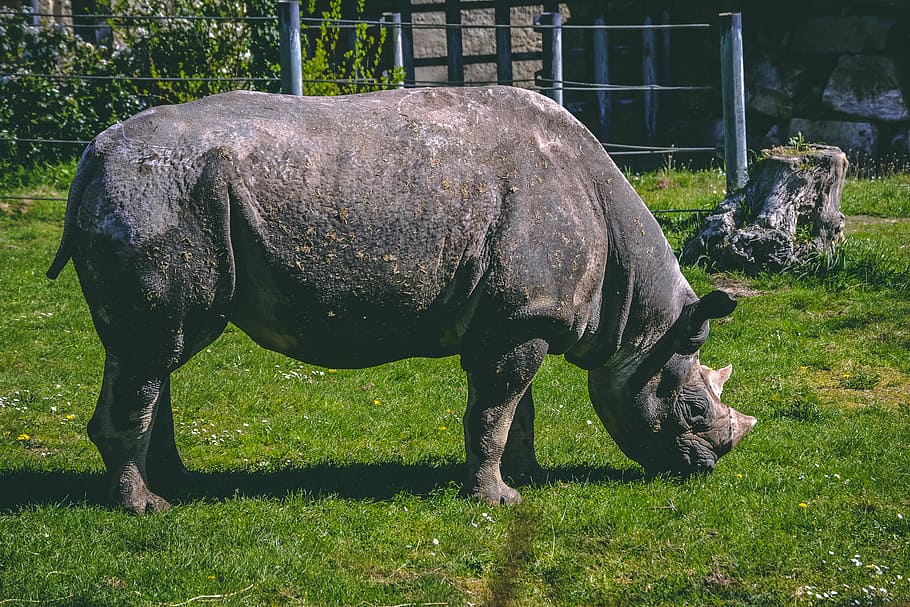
[696, 405]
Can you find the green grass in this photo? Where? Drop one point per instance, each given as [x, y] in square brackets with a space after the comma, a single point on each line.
[322, 487]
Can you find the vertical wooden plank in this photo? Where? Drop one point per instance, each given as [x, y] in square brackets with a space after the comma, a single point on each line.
[649, 78]
[454, 48]
[407, 41]
[601, 76]
[503, 20]
[734, 99]
[289, 47]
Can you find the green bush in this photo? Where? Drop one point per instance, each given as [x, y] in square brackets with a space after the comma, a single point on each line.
[35, 107]
[180, 56]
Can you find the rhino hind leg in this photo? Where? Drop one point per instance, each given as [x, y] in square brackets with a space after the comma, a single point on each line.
[121, 428]
[519, 461]
[497, 383]
[164, 468]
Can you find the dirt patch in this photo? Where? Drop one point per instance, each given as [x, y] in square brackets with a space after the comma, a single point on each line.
[890, 388]
[735, 286]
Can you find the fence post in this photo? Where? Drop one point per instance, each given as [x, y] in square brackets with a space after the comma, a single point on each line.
[289, 43]
[503, 20]
[407, 40]
[734, 99]
[550, 27]
[649, 78]
[394, 21]
[601, 75]
[454, 49]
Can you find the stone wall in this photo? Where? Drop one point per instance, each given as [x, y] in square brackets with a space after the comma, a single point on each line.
[834, 72]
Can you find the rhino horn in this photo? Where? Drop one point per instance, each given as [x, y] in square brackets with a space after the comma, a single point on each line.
[742, 424]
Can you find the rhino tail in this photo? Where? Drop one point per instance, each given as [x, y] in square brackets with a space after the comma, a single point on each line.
[74, 199]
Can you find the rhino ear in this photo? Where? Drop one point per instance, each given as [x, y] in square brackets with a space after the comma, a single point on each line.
[715, 304]
[718, 378]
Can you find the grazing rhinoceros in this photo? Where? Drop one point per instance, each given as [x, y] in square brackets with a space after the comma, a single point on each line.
[352, 231]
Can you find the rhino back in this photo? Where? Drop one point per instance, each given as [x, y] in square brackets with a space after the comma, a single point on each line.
[378, 221]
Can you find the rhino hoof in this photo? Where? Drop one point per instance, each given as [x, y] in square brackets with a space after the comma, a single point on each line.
[143, 501]
[502, 495]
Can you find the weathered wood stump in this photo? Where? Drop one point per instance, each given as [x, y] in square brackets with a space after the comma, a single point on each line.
[789, 209]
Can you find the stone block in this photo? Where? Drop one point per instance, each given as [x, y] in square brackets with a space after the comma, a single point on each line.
[830, 34]
[866, 86]
[857, 139]
[773, 86]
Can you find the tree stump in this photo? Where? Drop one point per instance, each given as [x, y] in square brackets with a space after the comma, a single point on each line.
[789, 209]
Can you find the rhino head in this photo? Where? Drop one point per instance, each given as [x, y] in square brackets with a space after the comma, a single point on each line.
[662, 406]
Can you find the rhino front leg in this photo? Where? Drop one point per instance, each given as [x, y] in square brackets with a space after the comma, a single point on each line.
[163, 464]
[496, 385]
[121, 428]
[519, 462]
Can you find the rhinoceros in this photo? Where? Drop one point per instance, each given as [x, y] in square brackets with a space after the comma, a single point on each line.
[357, 230]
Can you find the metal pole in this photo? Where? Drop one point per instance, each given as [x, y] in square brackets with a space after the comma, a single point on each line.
[289, 47]
[734, 99]
[550, 26]
[397, 44]
[36, 8]
[407, 40]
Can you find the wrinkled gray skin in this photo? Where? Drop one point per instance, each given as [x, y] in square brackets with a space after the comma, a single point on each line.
[353, 231]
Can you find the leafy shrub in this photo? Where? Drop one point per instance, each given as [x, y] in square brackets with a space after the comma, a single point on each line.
[160, 61]
[36, 107]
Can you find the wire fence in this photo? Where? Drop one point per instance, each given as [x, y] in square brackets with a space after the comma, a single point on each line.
[543, 85]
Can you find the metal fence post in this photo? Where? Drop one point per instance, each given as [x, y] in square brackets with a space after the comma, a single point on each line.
[550, 26]
[394, 20]
[734, 99]
[289, 43]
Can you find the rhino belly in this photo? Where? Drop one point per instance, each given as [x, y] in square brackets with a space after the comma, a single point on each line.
[336, 308]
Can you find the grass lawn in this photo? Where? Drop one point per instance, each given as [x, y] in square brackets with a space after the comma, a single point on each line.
[336, 487]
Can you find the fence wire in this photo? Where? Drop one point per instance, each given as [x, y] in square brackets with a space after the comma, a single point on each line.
[539, 84]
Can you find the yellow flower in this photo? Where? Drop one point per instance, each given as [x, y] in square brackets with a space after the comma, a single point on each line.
[211, 577]
[376, 401]
[803, 505]
[443, 427]
[333, 370]
[738, 475]
[23, 437]
[70, 416]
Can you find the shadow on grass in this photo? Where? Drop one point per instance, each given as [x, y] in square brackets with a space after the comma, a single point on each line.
[380, 481]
